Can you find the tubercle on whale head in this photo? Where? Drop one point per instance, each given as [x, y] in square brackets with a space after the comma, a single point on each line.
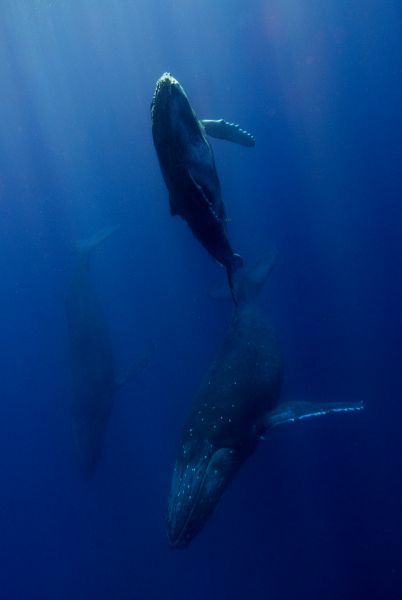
[164, 84]
[197, 486]
[167, 78]
[164, 88]
[170, 103]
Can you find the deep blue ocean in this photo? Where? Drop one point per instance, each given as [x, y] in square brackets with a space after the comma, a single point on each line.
[317, 511]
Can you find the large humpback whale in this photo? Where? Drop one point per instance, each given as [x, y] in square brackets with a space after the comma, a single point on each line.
[188, 167]
[236, 404]
[94, 379]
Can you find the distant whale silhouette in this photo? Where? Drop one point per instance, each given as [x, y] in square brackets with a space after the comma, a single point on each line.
[188, 168]
[94, 379]
[236, 404]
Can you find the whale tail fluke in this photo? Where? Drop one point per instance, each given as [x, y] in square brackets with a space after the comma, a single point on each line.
[231, 270]
[86, 246]
[288, 412]
[246, 284]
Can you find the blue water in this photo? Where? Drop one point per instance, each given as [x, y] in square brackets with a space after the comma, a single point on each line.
[317, 512]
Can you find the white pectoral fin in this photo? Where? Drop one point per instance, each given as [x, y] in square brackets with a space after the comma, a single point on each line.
[230, 132]
[288, 412]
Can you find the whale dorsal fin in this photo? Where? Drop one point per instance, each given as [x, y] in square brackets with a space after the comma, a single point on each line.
[231, 132]
[288, 412]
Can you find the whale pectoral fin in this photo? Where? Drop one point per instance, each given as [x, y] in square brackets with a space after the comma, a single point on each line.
[230, 132]
[288, 412]
[202, 194]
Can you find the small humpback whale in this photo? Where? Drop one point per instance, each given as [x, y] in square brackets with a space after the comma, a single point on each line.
[237, 403]
[188, 168]
[94, 380]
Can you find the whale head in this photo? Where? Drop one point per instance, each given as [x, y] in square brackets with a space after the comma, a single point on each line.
[201, 475]
[171, 112]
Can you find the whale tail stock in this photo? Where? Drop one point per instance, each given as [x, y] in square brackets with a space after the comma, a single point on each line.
[245, 284]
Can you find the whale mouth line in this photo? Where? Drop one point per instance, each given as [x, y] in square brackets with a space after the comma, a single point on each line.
[165, 82]
[179, 537]
[216, 471]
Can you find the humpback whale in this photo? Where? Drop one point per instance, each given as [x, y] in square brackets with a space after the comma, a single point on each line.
[237, 403]
[188, 168]
[94, 380]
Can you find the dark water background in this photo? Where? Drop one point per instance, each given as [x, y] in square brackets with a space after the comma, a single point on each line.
[317, 512]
